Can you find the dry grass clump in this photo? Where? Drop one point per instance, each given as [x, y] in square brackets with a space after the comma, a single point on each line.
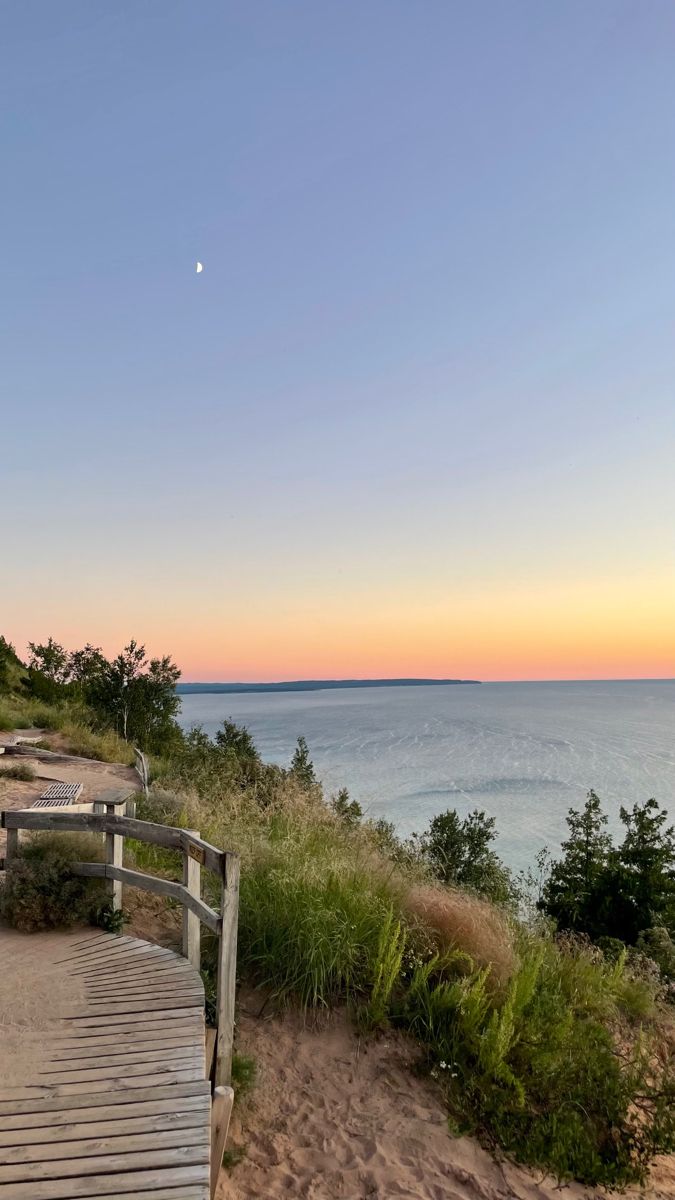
[459, 921]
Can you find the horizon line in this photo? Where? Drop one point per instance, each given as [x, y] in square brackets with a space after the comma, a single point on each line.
[441, 679]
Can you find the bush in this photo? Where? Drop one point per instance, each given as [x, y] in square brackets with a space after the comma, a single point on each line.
[536, 1070]
[40, 891]
[23, 772]
[460, 854]
[658, 945]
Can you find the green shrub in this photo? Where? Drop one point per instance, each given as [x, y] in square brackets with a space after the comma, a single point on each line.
[459, 853]
[657, 944]
[40, 891]
[23, 772]
[537, 1071]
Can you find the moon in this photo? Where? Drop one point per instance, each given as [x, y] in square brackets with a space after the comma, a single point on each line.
[200, 267]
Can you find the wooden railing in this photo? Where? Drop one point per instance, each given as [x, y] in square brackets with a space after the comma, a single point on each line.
[196, 853]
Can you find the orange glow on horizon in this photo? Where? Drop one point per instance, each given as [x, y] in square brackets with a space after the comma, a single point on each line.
[612, 629]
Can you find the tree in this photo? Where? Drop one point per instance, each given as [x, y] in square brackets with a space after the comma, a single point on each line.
[302, 767]
[643, 882]
[460, 853]
[50, 659]
[349, 811]
[237, 740]
[86, 667]
[138, 697]
[8, 659]
[574, 893]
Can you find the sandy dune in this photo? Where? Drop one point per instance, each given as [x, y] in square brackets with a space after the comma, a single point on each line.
[332, 1117]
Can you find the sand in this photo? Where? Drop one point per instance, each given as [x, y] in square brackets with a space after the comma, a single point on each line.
[35, 992]
[333, 1117]
[96, 777]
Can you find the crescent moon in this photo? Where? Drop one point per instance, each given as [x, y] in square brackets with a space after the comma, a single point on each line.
[200, 267]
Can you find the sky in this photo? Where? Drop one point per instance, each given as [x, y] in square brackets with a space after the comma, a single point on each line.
[417, 415]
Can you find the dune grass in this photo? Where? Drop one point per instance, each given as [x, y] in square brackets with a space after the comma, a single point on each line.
[542, 1046]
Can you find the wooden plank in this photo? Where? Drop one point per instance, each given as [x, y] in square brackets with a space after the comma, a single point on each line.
[114, 853]
[137, 983]
[159, 1122]
[223, 1098]
[121, 1108]
[148, 968]
[124, 1058]
[166, 887]
[126, 1007]
[180, 1193]
[161, 1092]
[178, 995]
[92, 870]
[97, 1164]
[86, 943]
[115, 944]
[209, 856]
[119, 1035]
[107, 1144]
[210, 1049]
[192, 873]
[12, 845]
[105, 1184]
[130, 1022]
[155, 1076]
[227, 973]
[171, 977]
[141, 1045]
[126, 956]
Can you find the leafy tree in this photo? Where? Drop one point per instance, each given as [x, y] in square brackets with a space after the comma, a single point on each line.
[237, 740]
[8, 659]
[86, 667]
[460, 853]
[138, 696]
[642, 881]
[50, 659]
[614, 893]
[575, 892]
[302, 767]
[349, 811]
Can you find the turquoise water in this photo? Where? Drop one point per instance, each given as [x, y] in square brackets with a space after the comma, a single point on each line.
[524, 752]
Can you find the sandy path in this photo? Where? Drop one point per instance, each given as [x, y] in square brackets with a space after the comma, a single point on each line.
[35, 993]
[335, 1119]
[96, 777]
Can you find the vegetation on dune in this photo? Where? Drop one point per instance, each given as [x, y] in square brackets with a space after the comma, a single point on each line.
[545, 1044]
[40, 891]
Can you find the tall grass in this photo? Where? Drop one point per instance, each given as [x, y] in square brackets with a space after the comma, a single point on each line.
[523, 1031]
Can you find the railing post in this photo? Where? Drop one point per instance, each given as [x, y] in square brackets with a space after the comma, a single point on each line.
[12, 845]
[192, 875]
[227, 971]
[114, 857]
[221, 1110]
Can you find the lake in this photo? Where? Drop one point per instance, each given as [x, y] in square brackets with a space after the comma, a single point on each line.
[523, 752]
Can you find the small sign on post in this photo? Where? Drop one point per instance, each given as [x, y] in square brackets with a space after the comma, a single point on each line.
[197, 852]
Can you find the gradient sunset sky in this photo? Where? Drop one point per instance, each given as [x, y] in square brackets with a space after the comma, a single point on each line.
[417, 415]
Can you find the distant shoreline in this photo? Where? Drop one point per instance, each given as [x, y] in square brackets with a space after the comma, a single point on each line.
[312, 685]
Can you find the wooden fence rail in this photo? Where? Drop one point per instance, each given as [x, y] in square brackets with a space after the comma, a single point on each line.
[196, 853]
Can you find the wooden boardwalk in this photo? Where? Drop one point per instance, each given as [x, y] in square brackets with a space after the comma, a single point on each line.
[118, 1104]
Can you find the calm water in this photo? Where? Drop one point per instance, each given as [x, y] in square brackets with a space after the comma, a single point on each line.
[524, 752]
